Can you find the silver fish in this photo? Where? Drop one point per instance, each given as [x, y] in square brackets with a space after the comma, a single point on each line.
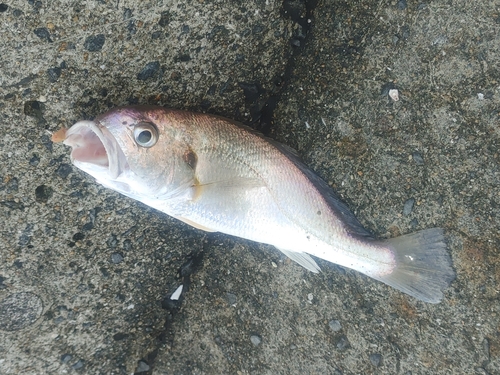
[217, 175]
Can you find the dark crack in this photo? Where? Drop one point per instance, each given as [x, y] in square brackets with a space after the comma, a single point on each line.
[145, 366]
[301, 12]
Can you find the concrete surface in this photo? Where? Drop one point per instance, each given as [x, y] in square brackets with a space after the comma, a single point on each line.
[86, 274]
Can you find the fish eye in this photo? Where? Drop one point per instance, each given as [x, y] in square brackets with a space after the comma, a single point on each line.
[145, 134]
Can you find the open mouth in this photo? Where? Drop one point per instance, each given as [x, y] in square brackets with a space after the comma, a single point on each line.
[95, 150]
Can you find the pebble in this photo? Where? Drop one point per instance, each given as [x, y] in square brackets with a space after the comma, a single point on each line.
[20, 310]
[78, 365]
[384, 90]
[33, 108]
[376, 359]
[231, 299]
[43, 33]
[402, 5]
[148, 71]
[250, 90]
[94, 43]
[3, 7]
[255, 339]
[127, 245]
[414, 223]
[342, 343]
[417, 158]
[43, 193]
[35, 159]
[64, 170]
[120, 336]
[394, 94]
[408, 206]
[335, 325]
[164, 19]
[142, 366]
[53, 74]
[65, 358]
[112, 241]
[116, 258]
[177, 293]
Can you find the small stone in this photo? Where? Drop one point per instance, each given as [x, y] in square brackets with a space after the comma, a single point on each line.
[384, 90]
[342, 343]
[54, 74]
[376, 359]
[120, 336]
[257, 29]
[231, 299]
[148, 71]
[43, 193]
[402, 5]
[127, 245]
[33, 108]
[414, 223]
[35, 159]
[405, 32]
[20, 310]
[112, 241]
[408, 206]
[78, 236]
[78, 365]
[164, 19]
[65, 358]
[64, 170]
[256, 340]
[250, 90]
[177, 293]
[116, 258]
[43, 33]
[3, 7]
[94, 43]
[417, 158]
[12, 185]
[142, 366]
[394, 94]
[335, 325]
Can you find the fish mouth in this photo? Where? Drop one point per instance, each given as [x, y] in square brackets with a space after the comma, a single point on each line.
[95, 150]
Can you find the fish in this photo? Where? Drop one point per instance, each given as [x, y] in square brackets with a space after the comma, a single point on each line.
[218, 175]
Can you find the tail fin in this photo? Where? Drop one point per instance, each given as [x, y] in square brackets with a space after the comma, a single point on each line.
[423, 265]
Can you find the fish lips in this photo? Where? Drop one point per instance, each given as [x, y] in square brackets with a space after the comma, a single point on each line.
[95, 150]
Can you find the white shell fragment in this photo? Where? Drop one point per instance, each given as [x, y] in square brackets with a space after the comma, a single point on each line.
[394, 94]
[175, 295]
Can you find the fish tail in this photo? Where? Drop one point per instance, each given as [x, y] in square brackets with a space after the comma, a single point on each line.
[423, 265]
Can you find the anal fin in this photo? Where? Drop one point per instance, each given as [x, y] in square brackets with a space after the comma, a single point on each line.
[303, 259]
[194, 224]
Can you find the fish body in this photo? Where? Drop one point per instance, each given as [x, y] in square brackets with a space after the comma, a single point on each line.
[217, 175]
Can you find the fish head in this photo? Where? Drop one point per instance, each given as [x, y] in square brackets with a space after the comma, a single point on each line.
[134, 150]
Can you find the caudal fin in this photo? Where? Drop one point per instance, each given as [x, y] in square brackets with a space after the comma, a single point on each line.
[423, 265]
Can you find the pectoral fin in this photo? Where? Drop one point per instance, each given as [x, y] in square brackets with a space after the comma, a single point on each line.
[235, 187]
[303, 259]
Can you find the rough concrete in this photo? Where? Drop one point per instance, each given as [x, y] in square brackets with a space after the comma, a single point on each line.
[85, 274]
